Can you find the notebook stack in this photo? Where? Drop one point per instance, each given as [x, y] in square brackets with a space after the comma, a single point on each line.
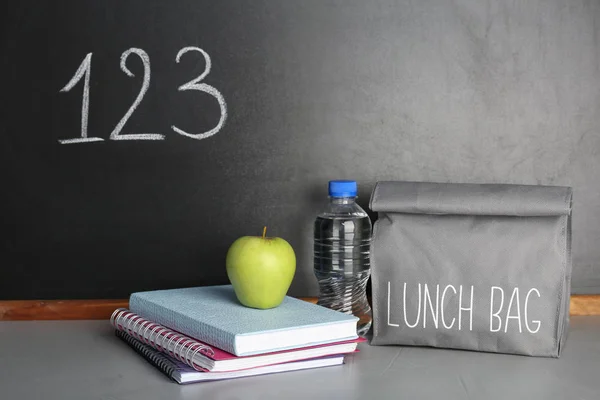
[204, 333]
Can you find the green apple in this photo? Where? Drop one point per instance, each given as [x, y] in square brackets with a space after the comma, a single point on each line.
[261, 270]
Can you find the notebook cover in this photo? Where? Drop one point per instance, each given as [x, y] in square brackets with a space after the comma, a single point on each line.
[221, 355]
[175, 369]
[178, 346]
[214, 315]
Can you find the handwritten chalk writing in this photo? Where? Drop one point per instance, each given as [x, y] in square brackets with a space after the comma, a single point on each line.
[84, 70]
[114, 135]
[202, 87]
[426, 301]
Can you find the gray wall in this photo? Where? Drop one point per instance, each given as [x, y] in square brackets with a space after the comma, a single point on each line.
[461, 91]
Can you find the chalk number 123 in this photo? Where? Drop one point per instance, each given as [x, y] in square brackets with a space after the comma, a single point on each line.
[85, 69]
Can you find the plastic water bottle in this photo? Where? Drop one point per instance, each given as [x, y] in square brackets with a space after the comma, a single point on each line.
[342, 239]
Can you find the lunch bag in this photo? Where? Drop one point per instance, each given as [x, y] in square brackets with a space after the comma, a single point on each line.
[482, 267]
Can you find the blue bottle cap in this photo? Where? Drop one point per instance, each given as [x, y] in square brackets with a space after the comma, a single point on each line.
[342, 188]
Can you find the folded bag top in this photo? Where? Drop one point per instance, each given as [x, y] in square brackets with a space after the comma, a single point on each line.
[471, 199]
[472, 266]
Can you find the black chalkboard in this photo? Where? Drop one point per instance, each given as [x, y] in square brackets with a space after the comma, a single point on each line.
[298, 92]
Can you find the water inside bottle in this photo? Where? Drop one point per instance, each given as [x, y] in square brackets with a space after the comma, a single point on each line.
[342, 264]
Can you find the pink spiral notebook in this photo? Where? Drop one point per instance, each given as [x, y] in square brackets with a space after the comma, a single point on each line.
[203, 357]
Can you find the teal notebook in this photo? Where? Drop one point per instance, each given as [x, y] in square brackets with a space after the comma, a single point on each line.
[213, 314]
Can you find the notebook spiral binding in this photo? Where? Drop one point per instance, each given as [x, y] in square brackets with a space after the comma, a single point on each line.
[159, 337]
[169, 367]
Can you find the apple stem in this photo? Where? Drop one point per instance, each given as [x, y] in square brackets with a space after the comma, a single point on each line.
[264, 232]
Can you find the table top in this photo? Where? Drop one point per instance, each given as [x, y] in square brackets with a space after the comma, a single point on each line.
[84, 360]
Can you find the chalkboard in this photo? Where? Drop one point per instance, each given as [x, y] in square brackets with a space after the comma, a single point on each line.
[140, 138]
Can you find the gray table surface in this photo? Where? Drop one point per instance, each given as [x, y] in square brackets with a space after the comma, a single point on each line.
[84, 360]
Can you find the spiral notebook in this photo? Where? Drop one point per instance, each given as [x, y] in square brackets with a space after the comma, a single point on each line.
[183, 373]
[202, 357]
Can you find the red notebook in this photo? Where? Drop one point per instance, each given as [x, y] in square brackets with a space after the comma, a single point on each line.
[203, 357]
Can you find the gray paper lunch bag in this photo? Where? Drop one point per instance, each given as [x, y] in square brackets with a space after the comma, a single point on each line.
[471, 266]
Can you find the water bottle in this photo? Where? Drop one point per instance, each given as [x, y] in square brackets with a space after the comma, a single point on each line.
[342, 239]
